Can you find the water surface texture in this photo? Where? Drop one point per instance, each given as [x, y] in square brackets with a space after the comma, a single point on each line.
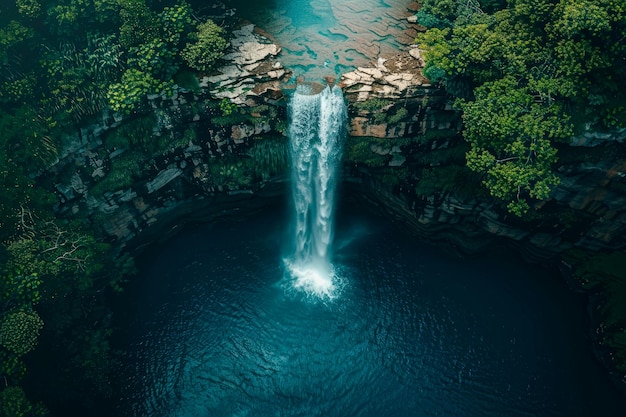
[215, 331]
[330, 37]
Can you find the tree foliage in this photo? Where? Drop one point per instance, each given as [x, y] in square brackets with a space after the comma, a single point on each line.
[55, 273]
[520, 72]
[13, 403]
[511, 136]
[62, 63]
[19, 331]
[209, 47]
[139, 23]
[29, 8]
[133, 88]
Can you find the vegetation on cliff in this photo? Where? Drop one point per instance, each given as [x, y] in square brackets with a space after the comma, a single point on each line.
[62, 62]
[527, 74]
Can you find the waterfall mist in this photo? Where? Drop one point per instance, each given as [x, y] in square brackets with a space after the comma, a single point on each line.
[316, 133]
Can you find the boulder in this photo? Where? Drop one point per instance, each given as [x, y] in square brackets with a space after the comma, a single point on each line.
[391, 78]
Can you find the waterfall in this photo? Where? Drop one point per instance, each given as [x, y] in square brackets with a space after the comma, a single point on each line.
[316, 132]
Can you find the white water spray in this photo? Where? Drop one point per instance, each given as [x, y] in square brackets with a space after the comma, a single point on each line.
[316, 132]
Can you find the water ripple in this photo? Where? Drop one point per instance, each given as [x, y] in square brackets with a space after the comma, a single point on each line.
[406, 338]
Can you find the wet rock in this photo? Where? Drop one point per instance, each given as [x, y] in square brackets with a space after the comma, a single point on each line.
[360, 126]
[397, 160]
[251, 53]
[162, 179]
[121, 224]
[593, 138]
[77, 184]
[249, 63]
[416, 53]
[391, 78]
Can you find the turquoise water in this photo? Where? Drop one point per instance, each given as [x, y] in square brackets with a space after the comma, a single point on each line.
[213, 329]
[323, 37]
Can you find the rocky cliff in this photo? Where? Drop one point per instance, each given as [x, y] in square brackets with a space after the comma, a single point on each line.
[416, 168]
[219, 148]
[212, 145]
[405, 157]
[227, 138]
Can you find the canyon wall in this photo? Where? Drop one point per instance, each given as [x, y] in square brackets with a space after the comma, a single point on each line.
[219, 149]
[416, 169]
[221, 145]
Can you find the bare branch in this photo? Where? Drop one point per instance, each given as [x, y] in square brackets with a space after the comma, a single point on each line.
[513, 158]
[26, 222]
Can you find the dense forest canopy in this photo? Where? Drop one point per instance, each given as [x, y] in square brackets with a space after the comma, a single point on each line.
[65, 61]
[527, 75]
[61, 63]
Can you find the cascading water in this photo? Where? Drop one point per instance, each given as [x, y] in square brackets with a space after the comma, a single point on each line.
[316, 132]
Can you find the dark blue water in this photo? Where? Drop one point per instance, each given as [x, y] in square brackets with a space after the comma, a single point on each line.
[214, 330]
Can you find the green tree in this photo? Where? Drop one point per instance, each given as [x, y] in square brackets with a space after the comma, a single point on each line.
[209, 47]
[511, 137]
[28, 8]
[19, 331]
[139, 23]
[67, 16]
[437, 14]
[580, 18]
[58, 271]
[13, 403]
[155, 57]
[106, 11]
[176, 21]
[18, 89]
[26, 147]
[522, 71]
[11, 37]
[78, 79]
[128, 94]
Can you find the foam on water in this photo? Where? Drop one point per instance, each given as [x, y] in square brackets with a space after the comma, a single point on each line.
[313, 280]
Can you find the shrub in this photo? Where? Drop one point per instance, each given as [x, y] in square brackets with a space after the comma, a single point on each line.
[208, 49]
[125, 96]
[268, 157]
[124, 169]
[19, 331]
[14, 403]
[359, 151]
[230, 174]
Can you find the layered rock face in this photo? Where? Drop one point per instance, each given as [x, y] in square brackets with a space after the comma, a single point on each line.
[251, 71]
[420, 178]
[404, 152]
[411, 162]
[206, 150]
